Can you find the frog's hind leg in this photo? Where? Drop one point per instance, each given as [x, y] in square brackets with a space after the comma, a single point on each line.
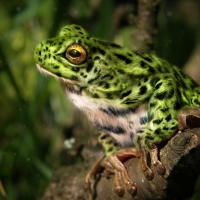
[113, 163]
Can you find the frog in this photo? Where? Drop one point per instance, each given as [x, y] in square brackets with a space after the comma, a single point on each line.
[133, 98]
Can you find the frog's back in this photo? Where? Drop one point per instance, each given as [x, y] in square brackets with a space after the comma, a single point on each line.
[186, 88]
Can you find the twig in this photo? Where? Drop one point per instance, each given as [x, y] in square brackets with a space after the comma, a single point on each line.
[143, 38]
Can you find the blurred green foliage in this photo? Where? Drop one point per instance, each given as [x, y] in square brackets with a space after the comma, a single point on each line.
[33, 108]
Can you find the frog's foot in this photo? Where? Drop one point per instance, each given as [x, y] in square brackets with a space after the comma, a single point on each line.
[189, 118]
[160, 168]
[113, 164]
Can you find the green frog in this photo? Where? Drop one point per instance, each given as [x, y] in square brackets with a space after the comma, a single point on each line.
[134, 98]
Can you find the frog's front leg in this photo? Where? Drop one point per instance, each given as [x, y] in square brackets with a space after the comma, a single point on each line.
[153, 150]
[163, 108]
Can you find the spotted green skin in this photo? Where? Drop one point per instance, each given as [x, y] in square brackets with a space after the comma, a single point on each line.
[122, 78]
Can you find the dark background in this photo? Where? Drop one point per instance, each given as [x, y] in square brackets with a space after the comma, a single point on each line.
[35, 116]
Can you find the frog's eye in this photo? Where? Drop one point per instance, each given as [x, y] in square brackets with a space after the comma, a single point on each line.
[76, 54]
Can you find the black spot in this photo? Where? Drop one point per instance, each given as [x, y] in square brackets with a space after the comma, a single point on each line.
[101, 83]
[115, 46]
[93, 79]
[110, 128]
[77, 27]
[154, 81]
[143, 120]
[143, 90]
[109, 96]
[123, 58]
[104, 110]
[132, 135]
[157, 121]
[164, 109]
[80, 32]
[196, 101]
[129, 54]
[103, 136]
[94, 49]
[125, 94]
[148, 59]
[145, 79]
[109, 141]
[143, 64]
[60, 43]
[120, 71]
[174, 127]
[115, 144]
[161, 95]
[96, 58]
[151, 70]
[148, 137]
[80, 41]
[152, 104]
[130, 101]
[171, 93]
[89, 67]
[118, 112]
[105, 76]
[66, 28]
[158, 85]
[111, 77]
[138, 54]
[75, 69]
[56, 67]
[140, 131]
[169, 117]
[177, 105]
[39, 53]
[110, 149]
[95, 70]
[75, 78]
[101, 51]
[95, 95]
[157, 131]
[58, 74]
[106, 86]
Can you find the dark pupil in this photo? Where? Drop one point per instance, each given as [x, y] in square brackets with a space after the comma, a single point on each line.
[74, 53]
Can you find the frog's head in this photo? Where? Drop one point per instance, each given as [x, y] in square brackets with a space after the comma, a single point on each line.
[65, 56]
[77, 59]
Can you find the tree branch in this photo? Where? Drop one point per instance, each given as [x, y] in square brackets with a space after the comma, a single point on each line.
[142, 39]
[181, 156]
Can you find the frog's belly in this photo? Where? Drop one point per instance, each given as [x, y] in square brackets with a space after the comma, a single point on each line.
[121, 123]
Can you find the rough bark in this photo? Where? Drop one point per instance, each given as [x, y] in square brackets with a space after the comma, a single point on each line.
[181, 156]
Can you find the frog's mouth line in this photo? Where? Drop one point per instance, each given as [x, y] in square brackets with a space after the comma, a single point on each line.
[61, 79]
